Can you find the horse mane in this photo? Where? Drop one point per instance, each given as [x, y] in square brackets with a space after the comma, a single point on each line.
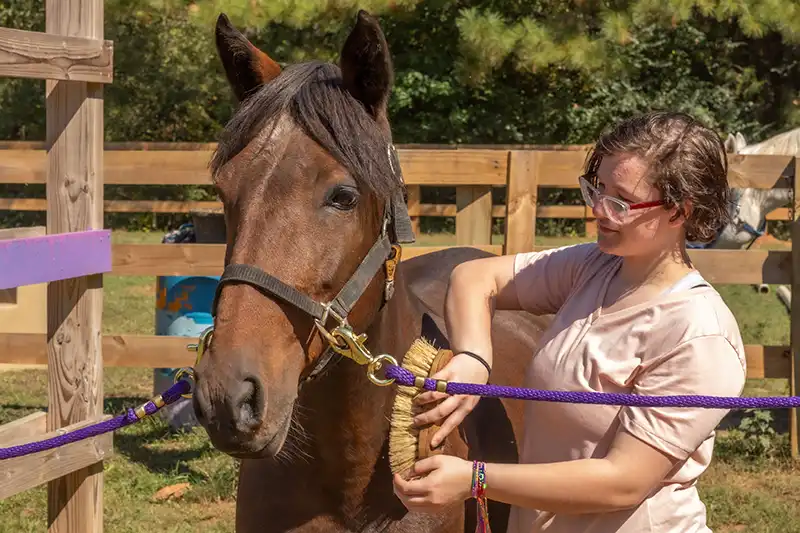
[313, 95]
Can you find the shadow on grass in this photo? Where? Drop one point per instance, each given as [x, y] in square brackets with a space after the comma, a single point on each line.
[152, 443]
[137, 448]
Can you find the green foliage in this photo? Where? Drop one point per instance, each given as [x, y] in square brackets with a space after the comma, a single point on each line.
[754, 439]
[467, 71]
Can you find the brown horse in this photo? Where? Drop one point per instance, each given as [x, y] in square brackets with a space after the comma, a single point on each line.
[314, 213]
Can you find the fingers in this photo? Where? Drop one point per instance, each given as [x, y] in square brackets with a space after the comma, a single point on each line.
[429, 397]
[425, 466]
[411, 487]
[439, 412]
[451, 423]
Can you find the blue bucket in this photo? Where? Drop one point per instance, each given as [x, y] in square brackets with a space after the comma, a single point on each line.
[183, 309]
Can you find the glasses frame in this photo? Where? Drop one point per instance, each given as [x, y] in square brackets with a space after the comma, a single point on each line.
[592, 194]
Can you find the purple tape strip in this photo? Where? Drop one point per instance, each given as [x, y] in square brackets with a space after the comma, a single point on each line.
[32, 260]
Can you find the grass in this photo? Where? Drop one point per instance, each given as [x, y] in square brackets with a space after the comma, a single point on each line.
[751, 486]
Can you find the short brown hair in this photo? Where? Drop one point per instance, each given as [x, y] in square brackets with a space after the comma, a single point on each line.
[687, 161]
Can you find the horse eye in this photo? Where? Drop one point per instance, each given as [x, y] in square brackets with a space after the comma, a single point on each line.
[343, 198]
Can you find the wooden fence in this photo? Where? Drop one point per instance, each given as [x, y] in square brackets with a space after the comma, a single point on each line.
[75, 61]
[20, 156]
[472, 171]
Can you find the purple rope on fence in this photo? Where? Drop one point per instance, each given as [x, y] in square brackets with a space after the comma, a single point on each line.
[129, 417]
[405, 377]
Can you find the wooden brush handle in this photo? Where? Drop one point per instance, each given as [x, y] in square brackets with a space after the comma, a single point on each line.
[426, 434]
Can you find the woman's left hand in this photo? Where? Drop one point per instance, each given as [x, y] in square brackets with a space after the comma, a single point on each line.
[435, 482]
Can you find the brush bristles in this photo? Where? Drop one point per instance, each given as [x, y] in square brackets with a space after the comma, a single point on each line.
[403, 436]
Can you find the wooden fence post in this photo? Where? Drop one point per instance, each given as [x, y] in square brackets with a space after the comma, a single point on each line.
[412, 204]
[473, 214]
[75, 306]
[521, 196]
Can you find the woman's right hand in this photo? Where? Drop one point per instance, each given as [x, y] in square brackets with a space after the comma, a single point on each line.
[462, 368]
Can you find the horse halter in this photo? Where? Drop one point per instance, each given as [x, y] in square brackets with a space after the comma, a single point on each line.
[385, 252]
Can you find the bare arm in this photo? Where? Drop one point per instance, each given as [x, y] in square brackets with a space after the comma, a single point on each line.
[622, 479]
[476, 289]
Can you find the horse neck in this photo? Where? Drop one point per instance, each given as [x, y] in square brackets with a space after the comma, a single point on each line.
[347, 418]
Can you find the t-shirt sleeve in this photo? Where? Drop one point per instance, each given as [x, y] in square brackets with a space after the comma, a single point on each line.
[707, 365]
[544, 279]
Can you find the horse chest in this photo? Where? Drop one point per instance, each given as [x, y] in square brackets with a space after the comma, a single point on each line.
[275, 499]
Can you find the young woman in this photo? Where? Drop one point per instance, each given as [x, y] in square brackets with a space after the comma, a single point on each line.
[632, 315]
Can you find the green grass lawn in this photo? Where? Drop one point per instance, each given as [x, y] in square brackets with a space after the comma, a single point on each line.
[751, 486]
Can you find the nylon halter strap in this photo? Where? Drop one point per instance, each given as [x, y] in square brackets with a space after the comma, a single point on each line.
[396, 229]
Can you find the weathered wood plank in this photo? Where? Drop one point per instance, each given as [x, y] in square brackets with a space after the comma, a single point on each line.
[771, 362]
[188, 167]
[718, 266]
[202, 259]
[117, 206]
[521, 197]
[415, 209]
[450, 168]
[413, 199]
[27, 427]
[160, 351]
[562, 168]
[442, 168]
[474, 214]
[29, 54]
[167, 259]
[148, 351]
[74, 168]
[77, 458]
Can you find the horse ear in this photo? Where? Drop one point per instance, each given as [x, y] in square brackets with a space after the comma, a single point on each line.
[246, 67]
[366, 64]
[740, 141]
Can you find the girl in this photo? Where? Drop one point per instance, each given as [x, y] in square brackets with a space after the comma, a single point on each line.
[632, 315]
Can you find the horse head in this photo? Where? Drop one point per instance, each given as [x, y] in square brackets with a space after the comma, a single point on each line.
[748, 216]
[749, 206]
[313, 209]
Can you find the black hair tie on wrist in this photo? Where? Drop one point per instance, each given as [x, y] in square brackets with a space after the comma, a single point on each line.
[478, 358]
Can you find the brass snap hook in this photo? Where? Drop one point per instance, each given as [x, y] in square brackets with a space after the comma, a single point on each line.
[202, 344]
[354, 348]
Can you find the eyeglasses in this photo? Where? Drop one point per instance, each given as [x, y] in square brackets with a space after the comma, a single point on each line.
[615, 209]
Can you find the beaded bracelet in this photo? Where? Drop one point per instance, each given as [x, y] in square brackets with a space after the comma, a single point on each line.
[479, 493]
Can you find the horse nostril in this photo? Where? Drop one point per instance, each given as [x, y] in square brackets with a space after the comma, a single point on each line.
[249, 404]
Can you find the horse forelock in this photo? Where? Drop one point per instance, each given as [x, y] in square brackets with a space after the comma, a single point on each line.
[312, 96]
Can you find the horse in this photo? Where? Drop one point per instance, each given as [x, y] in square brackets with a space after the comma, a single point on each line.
[750, 207]
[314, 214]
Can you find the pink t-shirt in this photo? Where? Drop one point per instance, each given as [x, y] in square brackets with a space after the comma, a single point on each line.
[685, 341]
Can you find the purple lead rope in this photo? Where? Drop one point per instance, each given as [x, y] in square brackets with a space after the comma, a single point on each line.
[129, 417]
[405, 377]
